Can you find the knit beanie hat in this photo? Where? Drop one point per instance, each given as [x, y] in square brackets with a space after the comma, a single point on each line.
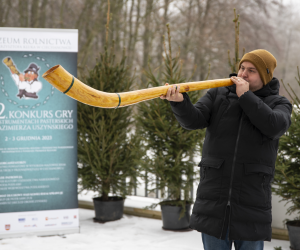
[263, 61]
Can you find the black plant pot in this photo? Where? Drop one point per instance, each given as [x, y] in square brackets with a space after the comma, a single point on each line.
[108, 210]
[170, 217]
[294, 234]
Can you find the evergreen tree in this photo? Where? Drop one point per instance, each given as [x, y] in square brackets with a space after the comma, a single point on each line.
[287, 171]
[170, 147]
[106, 151]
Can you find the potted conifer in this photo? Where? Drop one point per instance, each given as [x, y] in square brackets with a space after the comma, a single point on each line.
[106, 151]
[171, 147]
[287, 171]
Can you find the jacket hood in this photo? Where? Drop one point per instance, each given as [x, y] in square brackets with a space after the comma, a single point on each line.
[271, 88]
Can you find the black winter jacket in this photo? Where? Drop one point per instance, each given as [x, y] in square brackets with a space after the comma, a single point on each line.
[238, 158]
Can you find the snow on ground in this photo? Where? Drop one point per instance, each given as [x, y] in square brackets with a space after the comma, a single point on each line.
[129, 233]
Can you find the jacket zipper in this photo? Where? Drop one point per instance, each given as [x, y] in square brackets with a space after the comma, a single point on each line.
[231, 177]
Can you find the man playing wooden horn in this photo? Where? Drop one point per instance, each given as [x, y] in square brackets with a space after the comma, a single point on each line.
[243, 125]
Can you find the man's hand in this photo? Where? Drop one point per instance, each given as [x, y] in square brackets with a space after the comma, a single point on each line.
[242, 86]
[21, 78]
[173, 94]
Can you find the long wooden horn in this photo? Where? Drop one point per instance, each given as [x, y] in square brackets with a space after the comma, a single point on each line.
[69, 85]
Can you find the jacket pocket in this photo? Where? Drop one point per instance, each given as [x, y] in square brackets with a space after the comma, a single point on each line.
[210, 178]
[256, 188]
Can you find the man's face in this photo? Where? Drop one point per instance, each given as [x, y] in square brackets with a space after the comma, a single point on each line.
[30, 76]
[250, 74]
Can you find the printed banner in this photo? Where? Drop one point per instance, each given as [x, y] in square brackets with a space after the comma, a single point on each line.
[38, 128]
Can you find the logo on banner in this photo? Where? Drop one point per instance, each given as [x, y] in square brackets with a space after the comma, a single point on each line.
[75, 216]
[24, 89]
[21, 219]
[50, 225]
[30, 225]
[7, 227]
[53, 218]
[67, 223]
